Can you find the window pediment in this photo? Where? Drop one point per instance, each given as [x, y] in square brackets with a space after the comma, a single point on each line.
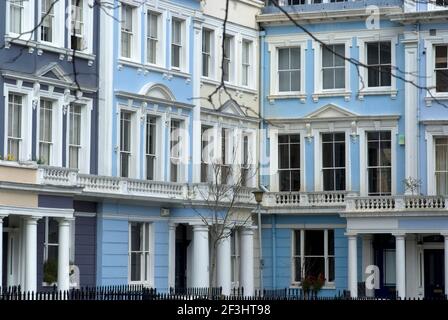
[331, 111]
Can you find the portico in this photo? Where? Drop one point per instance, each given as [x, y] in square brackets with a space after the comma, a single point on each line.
[19, 225]
[409, 248]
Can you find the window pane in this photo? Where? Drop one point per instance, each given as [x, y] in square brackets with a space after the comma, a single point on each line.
[295, 81]
[136, 237]
[135, 267]
[441, 154]
[330, 242]
[327, 155]
[339, 154]
[315, 266]
[295, 180]
[373, 153]
[442, 80]
[295, 58]
[327, 57]
[339, 78]
[442, 183]
[53, 231]
[284, 81]
[441, 57]
[295, 156]
[297, 269]
[283, 59]
[331, 267]
[373, 180]
[385, 153]
[372, 53]
[385, 75]
[283, 156]
[284, 180]
[339, 179]
[328, 78]
[389, 267]
[373, 76]
[340, 54]
[297, 242]
[386, 181]
[314, 242]
[328, 177]
[385, 53]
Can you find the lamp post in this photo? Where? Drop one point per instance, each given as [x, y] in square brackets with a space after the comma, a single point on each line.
[258, 194]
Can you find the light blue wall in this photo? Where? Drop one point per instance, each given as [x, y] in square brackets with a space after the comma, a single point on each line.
[277, 250]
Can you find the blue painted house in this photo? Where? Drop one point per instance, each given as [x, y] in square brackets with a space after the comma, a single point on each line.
[347, 144]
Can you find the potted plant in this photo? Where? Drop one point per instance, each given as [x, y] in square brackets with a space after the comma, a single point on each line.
[318, 283]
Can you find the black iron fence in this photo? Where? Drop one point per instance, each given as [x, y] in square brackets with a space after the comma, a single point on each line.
[140, 292]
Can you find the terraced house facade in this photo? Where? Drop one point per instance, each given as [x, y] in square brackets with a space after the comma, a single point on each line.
[118, 136]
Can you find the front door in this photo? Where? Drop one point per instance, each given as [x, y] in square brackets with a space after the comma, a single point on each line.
[434, 273]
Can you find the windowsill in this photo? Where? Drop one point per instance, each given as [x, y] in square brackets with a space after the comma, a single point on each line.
[145, 68]
[19, 164]
[377, 92]
[287, 95]
[41, 46]
[228, 85]
[435, 96]
[331, 93]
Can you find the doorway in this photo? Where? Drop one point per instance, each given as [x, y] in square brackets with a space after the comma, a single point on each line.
[182, 243]
[434, 273]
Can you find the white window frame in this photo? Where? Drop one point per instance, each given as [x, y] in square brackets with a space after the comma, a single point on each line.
[86, 118]
[430, 43]
[274, 158]
[363, 88]
[211, 54]
[232, 59]
[27, 20]
[182, 173]
[326, 256]
[136, 23]
[318, 151]
[25, 152]
[433, 131]
[319, 91]
[183, 58]
[249, 65]
[150, 251]
[134, 159]
[58, 102]
[235, 257]
[158, 170]
[300, 169]
[161, 30]
[435, 161]
[273, 48]
[87, 34]
[58, 24]
[363, 161]
[432, 6]
[44, 103]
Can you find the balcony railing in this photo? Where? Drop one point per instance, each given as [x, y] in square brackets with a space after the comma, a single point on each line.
[305, 199]
[396, 203]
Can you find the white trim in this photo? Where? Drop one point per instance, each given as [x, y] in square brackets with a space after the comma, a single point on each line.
[27, 21]
[58, 25]
[88, 25]
[429, 43]
[136, 31]
[146, 237]
[36, 212]
[160, 145]
[273, 48]
[134, 161]
[161, 38]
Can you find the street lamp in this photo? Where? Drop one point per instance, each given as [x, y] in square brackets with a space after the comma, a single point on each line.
[258, 194]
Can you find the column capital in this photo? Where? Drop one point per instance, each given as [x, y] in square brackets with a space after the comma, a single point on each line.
[399, 235]
[65, 220]
[200, 227]
[351, 234]
[2, 216]
[172, 225]
[32, 219]
[247, 231]
[445, 234]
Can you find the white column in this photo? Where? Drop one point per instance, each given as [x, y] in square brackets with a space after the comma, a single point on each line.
[411, 106]
[31, 254]
[352, 266]
[247, 261]
[172, 255]
[197, 71]
[400, 257]
[223, 265]
[367, 259]
[201, 278]
[64, 255]
[446, 263]
[1, 250]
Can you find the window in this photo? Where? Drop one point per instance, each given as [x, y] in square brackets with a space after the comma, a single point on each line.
[205, 145]
[206, 52]
[313, 254]
[235, 257]
[289, 162]
[333, 161]
[441, 146]
[379, 64]
[74, 139]
[77, 25]
[152, 37]
[442, 3]
[441, 68]
[47, 19]
[125, 143]
[289, 69]
[139, 252]
[15, 103]
[379, 163]
[246, 62]
[175, 150]
[245, 163]
[16, 9]
[151, 138]
[51, 246]
[389, 267]
[227, 64]
[45, 131]
[176, 44]
[127, 32]
[225, 161]
[333, 67]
